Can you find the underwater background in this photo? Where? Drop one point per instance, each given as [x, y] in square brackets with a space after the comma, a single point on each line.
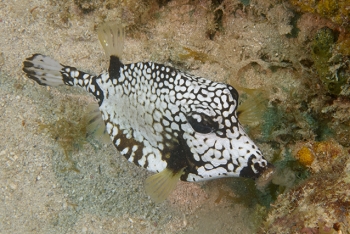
[288, 59]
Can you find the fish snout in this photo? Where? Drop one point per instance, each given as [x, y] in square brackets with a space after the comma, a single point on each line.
[257, 168]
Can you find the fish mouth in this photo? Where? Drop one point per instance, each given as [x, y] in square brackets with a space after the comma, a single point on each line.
[256, 168]
[265, 177]
[265, 172]
[268, 171]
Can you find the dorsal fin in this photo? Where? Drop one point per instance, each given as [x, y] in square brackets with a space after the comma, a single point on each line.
[111, 36]
[160, 185]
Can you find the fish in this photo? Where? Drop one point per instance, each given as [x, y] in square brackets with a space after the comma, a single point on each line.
[178, 125]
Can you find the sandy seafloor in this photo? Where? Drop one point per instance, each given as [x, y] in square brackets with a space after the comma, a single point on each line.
[38, 192]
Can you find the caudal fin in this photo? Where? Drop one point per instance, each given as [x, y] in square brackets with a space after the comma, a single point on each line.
[44, 70]
[111, 36]
[47, 71]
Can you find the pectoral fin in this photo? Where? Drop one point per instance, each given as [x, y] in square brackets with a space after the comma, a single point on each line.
[160, 185]
[251, 110]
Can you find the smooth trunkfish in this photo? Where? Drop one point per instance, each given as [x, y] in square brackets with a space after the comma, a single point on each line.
[178, 125]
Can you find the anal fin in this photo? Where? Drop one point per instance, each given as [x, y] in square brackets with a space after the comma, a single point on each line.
[95, 124]
[160, 185]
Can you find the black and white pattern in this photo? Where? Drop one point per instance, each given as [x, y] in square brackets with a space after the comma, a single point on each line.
[159, 117]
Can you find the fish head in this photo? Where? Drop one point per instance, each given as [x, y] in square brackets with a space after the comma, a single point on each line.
[218, 144]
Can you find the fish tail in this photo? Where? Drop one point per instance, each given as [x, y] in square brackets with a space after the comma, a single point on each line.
[47, 71]
[44, 70]
[111, 36]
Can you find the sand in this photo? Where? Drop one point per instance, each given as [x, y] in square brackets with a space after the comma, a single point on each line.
[103, 193]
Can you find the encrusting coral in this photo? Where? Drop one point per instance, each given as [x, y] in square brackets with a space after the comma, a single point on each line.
[321, 203]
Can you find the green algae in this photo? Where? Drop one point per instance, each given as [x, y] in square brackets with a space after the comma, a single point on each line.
[196, 55]
[245, 2]
[322, 52]
[69, 130]
[335, 10]
[270, 118]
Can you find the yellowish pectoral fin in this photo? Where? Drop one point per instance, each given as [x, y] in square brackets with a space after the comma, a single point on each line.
[160, 185]
[251, 110]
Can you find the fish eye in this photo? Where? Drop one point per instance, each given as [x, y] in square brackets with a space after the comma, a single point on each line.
[202, 123]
